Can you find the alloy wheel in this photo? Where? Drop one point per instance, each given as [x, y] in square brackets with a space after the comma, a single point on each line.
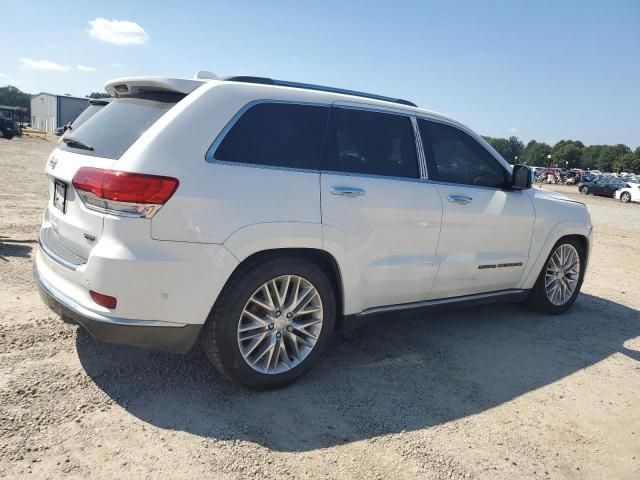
[280, 324]
[562, 274]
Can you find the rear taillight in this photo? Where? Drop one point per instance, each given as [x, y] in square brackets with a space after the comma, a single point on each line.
[123, 193]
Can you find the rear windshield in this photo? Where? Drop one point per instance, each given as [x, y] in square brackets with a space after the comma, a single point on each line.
[115, 127]
[86, 114]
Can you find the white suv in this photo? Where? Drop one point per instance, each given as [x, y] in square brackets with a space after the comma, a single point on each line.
[257, 216]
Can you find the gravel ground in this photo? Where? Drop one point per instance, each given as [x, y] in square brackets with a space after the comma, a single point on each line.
[489, 392]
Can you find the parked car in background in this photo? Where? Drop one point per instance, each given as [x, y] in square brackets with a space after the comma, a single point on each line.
[95, 104]
[9, 128]
[603, 186]
[588, 177]
[256, 216]
[630, 193]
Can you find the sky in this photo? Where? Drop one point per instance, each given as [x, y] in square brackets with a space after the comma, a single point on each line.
[543, 70]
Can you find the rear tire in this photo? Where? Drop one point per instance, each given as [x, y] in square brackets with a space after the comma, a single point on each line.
[625, 197]
[584, 190]
[542, 297]
[231, 322]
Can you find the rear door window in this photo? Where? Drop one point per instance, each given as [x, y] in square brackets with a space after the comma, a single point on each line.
[115, 127]
[277, 135]
[373, 143]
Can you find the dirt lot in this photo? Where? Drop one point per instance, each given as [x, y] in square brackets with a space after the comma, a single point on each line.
[491, 392]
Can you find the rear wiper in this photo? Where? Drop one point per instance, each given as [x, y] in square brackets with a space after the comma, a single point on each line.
[72, 142]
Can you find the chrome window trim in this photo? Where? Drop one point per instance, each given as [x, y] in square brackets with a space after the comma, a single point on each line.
[263, 167]
[420, 151]
[210, 155]
[422, 158]
[371, 108]
[479, 187]
[373, 176]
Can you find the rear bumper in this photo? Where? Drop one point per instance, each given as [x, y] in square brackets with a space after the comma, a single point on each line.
[170, 337]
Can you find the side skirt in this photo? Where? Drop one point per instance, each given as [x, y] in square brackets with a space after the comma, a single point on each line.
[510, 296]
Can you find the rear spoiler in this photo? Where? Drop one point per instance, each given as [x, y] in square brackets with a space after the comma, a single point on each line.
[122, 87]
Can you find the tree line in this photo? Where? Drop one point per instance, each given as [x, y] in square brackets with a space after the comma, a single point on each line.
[568, 154]
[14, 97]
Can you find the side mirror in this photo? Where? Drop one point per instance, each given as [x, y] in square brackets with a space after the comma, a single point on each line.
[521, 177]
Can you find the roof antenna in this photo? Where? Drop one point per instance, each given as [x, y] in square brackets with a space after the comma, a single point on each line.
[204, 75]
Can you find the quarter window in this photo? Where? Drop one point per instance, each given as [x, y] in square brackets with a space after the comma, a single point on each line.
[455, 157]
[277, 134]
[374, 143]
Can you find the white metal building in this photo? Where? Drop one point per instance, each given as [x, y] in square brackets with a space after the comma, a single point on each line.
[49, 111]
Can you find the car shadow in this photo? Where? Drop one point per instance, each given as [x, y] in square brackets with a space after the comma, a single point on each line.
[394, 375]
[14, 248]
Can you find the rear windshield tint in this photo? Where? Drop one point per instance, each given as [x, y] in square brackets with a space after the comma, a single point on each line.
[88, 112]
[115, 127]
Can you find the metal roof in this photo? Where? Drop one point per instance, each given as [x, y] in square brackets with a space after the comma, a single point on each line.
[13, 109]
[56, 95]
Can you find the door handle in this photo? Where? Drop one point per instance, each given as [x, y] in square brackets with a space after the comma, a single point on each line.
[459, 199]
[348, 191]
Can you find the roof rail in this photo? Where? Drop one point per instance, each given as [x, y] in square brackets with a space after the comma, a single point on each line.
[320, 88]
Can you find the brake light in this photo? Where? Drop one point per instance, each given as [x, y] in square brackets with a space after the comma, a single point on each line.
[104, 300]
[123, 193]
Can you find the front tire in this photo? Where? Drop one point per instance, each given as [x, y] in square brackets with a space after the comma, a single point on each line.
[560, 280]
[584, 190]
[625, 197]
[271, 322]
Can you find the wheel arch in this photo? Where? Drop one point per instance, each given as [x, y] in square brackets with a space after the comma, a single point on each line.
[564, 230]
[584, 241]
[321, 258]
[580, 238]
